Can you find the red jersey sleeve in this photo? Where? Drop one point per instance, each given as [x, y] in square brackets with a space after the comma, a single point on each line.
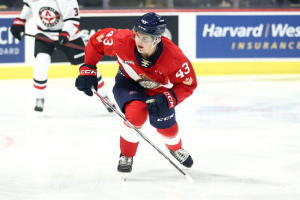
[183, 79]
[99, 44]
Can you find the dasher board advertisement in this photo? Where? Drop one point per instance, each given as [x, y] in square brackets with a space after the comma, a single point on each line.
[248, 36]
[11, 49]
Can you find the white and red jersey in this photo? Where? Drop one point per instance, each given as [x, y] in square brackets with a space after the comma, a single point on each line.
[53, 16]
[170, 69]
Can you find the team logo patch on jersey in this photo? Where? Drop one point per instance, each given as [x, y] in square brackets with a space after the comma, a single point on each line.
[188, 81]
[99, 38]
[147, 83]
[49, 16]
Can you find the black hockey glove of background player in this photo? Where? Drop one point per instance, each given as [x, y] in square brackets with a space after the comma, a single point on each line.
[18, 27]
[87, 79]
[63, 38]
[159, 104]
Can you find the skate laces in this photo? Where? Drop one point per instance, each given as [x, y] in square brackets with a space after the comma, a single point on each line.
[125, 160]
[181, 155]
[108, 100]
[40, 103]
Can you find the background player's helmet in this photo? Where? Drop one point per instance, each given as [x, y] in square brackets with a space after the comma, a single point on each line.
[151, 24]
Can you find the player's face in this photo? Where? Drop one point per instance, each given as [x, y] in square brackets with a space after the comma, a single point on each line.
[143, 42]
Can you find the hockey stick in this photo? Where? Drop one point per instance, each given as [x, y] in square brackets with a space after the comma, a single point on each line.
[39, 37]
[189, 178]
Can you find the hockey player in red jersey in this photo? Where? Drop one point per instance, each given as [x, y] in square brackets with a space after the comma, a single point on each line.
[57, 20]
[154, 77]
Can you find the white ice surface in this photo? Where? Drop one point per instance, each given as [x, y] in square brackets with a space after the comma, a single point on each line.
[243, 133]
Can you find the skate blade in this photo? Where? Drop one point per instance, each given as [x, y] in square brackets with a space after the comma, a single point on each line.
[39, 114]
[35, 114]
[124, 176]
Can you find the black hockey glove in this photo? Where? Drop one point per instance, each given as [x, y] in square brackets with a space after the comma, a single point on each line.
[63, 38]
[17, 28]
[87, 79]
[159, 104]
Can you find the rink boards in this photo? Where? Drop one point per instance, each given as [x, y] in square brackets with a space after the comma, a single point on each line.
[109, 69]
[217, 42]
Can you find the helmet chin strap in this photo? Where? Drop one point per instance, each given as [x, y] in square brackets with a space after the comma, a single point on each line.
[149, 49]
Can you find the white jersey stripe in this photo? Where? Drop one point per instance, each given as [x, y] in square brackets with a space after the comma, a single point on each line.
[135, 76]
[128, 69]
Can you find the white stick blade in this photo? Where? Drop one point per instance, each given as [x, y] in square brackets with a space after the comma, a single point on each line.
[189, 178]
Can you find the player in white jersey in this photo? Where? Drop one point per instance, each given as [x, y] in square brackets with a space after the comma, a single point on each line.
[57, 20]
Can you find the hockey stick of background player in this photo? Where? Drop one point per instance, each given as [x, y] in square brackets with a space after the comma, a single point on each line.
[39, 37]
[142, 135]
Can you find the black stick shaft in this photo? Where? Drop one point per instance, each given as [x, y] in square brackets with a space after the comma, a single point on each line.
[137, 130]
[39, 37]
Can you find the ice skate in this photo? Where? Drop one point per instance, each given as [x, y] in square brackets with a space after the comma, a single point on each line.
[39, 105]
[106, 106]
[125, 164]
[183, 157]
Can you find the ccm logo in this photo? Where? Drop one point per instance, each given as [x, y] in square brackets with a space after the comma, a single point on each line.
[165, 118]
[88, 71]
[170, 99]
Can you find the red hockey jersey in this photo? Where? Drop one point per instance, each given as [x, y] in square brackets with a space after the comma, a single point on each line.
[170, 69]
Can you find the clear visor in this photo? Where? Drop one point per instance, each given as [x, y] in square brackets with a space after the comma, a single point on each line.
[144, 38]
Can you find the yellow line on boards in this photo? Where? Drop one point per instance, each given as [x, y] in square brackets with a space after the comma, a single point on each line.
[244, 68]
[201, 68]
[55, 71]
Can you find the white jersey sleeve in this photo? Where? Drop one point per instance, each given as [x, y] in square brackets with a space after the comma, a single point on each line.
[70, 12]
[26, 11]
